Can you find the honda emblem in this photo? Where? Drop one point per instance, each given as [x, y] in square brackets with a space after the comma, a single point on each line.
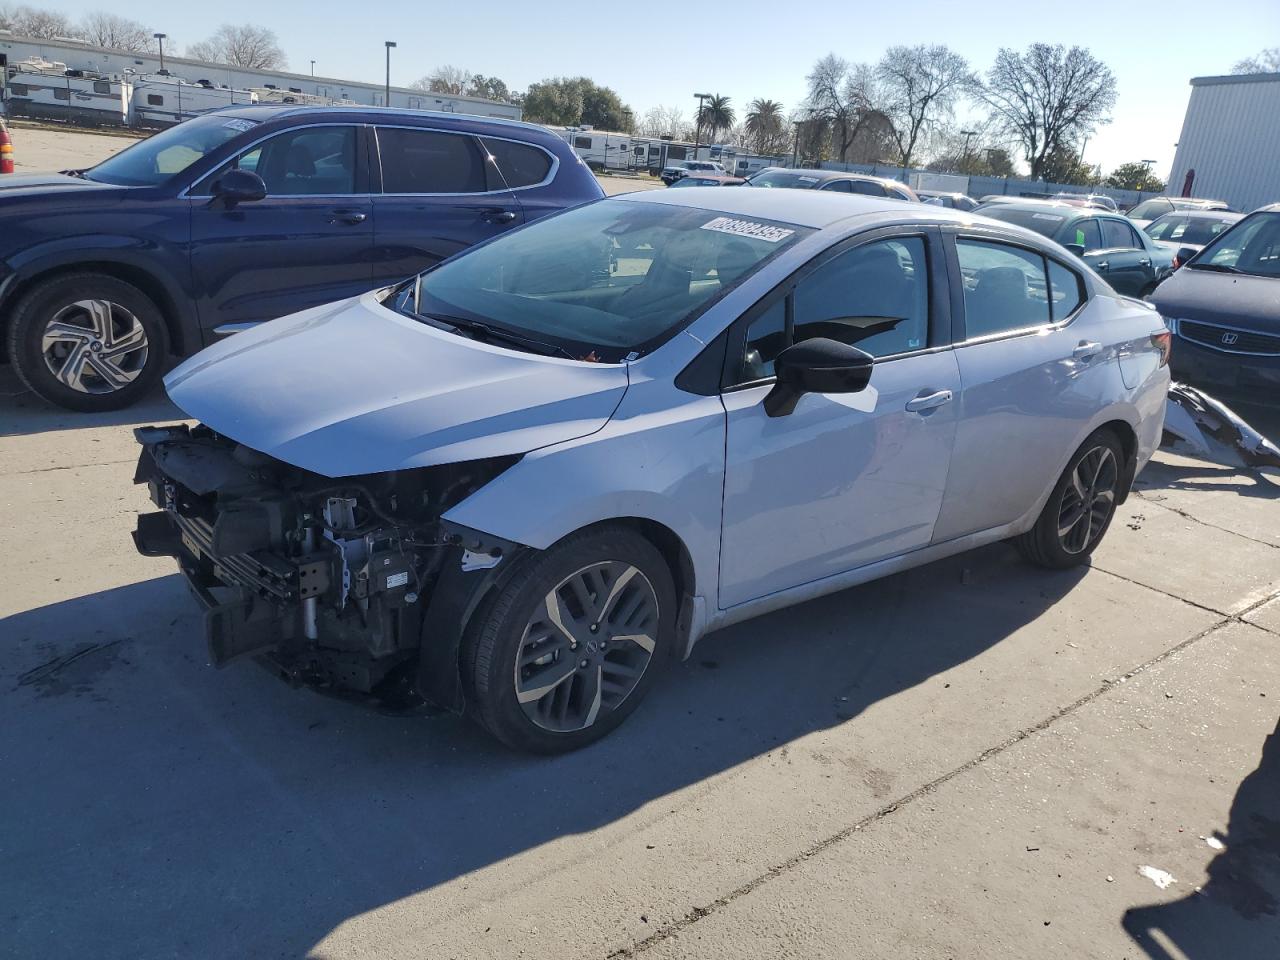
[1229, 338]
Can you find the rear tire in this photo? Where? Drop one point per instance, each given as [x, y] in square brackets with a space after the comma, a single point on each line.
[1080, 508]
[88, 342]
[571, 644]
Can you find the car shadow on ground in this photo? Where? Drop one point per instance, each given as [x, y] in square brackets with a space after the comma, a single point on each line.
[164, 808]
[23, 413]
[1236, 913]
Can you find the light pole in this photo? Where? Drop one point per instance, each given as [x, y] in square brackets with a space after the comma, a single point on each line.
[386, 101]
[964, 161]
[697, 127]
[161, 38]
[313, 68]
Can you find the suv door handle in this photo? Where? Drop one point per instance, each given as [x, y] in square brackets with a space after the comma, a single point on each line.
[1102, 265]
[499, 216]
[348, 216]
[929, 401]
[1144, 261]
[1086, 350]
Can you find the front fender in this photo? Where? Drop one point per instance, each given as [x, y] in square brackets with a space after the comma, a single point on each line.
[661, 465]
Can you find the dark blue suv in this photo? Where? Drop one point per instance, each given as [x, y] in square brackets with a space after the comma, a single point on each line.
[244, 215]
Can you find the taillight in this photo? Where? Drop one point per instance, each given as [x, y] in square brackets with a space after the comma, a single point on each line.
[1163, 342]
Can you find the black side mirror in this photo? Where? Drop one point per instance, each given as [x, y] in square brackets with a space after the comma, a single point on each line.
[816, 366]
[1075, 249]
[1183, 255]
[239, 186]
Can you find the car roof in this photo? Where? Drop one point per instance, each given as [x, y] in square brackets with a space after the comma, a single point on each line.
[811, 208]
[262, 112]
[1200, 213]
[1069, 211]
[825, 176]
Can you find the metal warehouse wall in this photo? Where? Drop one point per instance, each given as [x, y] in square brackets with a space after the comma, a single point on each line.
[1231, 139]
[79, 56]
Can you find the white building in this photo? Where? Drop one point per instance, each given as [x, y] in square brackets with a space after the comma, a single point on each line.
[1230, 141]
[82, 56]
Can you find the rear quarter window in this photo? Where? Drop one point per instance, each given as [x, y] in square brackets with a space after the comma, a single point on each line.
[520, 164]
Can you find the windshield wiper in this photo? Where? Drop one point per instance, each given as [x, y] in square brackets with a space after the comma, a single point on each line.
[482, 331]
[1215, 267]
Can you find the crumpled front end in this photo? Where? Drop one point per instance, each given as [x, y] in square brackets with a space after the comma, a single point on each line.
[353, 585]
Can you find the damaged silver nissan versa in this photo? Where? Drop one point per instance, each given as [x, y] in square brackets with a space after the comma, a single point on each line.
[516, 485]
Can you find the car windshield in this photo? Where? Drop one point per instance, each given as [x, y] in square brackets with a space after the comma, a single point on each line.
[1252, 246]
[785, 178]
[1186, 228]
[151, 162]
[1045, 222]
[602, 281]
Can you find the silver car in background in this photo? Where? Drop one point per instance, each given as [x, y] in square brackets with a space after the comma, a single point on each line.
[522, 482]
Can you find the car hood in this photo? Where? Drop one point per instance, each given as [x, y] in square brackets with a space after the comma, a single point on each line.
[354, 388]
[1250, 303]
[27, 184]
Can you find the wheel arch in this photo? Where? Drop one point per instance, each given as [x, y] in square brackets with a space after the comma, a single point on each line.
[179, 324]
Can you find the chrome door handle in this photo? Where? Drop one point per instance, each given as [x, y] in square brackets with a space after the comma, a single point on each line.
[499, 216]
[1086, 350]
[1102, 265]
[1145, 261]
[348, 216]
[929, 401]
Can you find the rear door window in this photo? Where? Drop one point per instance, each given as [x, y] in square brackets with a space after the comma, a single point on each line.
[429, 161]
[520, 164]
[1117, 235]
[1005, 288]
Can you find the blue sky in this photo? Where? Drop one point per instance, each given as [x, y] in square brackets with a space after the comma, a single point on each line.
[750, 48]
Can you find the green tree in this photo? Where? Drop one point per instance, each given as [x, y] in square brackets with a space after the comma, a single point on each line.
[765, 126]
[716, 115]
[571, 101]
[1135, 175]
[1063, 165]
[491, 88]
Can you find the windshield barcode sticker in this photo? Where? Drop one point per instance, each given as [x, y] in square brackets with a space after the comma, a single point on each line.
[241, 125]
[748, 228]
[1046, 216]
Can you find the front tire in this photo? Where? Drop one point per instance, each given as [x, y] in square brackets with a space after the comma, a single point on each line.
[571, 644]
[88, 342]
[1081, 507]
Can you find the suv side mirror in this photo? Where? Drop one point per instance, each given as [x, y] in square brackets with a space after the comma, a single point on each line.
[239, 186]
[1075, 249]
[816, 366]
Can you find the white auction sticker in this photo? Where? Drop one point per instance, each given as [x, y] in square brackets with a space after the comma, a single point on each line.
[241, 125]
[748, 228]
[1046, 216]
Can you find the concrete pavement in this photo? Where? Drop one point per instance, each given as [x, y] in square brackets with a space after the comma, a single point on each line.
[947, 763]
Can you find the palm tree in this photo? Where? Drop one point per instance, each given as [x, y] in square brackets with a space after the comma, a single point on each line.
[764, 122]
[716, 115]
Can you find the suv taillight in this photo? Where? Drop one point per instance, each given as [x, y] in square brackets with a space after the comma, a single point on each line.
[1163, 342]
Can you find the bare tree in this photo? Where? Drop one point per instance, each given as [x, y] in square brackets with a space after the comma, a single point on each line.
[919, 87]
[447, 79]
[1268, 61]
[119, 33]
[664, 121]
[41, 24]
[841, 98]
[246, 46]
[1049, 98]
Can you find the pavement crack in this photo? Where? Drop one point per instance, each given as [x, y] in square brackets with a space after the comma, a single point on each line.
[1186, 515]
[49, 669]
[701, 912]
[71, 466]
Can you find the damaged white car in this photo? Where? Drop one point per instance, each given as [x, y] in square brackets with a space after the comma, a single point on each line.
[520, 483]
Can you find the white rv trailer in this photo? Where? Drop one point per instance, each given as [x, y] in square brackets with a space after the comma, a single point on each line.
[600, 149]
